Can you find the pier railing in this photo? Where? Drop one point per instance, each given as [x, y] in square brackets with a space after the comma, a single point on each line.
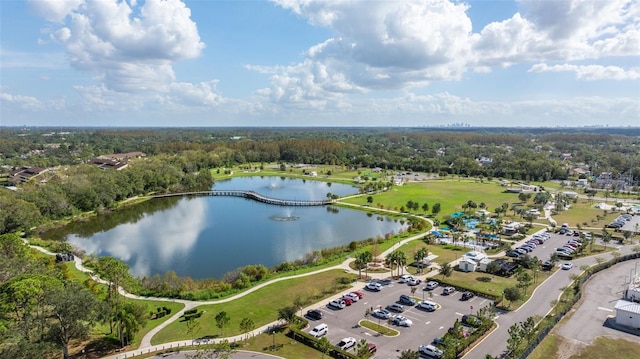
[250, 195]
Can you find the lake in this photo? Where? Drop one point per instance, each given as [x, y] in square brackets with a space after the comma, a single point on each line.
[206, 237]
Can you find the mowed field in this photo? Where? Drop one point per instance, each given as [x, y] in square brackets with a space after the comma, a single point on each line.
[451, 194]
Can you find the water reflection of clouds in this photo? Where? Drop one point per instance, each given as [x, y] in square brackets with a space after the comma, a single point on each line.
[154, 241]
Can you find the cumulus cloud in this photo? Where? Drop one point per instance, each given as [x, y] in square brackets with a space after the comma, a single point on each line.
[126, 46]
[590, 72]
[25, 102]
[383, 45]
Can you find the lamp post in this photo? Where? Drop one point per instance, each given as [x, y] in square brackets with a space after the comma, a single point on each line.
[273, 335]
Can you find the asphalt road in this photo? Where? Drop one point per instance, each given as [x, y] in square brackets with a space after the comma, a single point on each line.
[539, 304]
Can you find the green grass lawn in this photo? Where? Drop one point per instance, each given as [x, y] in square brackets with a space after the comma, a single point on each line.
[493, 284]
[584, 213]
[284, 347]
[450, 194]
[384, 330]
[261, 306]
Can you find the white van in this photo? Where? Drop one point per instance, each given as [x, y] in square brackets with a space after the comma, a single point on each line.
[319, 330]
[427, 305]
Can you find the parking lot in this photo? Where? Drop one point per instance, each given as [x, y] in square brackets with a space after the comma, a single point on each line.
[426, 325]
[545, 250]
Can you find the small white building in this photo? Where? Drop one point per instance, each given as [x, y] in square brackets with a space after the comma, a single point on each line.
[470, 261]
[467, 264]
[511, 228]
[628, 314]
[482, 265]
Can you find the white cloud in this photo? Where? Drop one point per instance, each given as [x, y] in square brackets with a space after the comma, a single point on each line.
[25, 102]
[54, 11]
[381, 45]
[128, 47]
[590, 72]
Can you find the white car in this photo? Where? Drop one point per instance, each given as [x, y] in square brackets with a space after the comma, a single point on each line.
[427, 305]
[353, 296]
[431, 285]
[401, 321]
[567, 265]
[376, 287]
[414, 281]
[431, 351]
[337, 303]
[381, 313]
[346, 343]
[405, 278]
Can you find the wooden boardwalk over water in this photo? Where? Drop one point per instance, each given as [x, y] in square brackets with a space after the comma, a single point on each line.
[249, 195]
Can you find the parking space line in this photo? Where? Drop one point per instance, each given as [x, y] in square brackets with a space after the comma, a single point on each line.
[605, 309]
[460, 314]
[427, 323]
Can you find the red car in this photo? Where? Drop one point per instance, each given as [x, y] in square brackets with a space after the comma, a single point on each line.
[358, 293]
[347, 300]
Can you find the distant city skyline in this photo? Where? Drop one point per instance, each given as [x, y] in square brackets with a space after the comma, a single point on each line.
[320, 63]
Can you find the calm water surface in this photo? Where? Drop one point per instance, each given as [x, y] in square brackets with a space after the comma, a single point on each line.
[205, 237]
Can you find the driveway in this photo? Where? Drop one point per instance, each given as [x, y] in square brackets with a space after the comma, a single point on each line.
[594, 315]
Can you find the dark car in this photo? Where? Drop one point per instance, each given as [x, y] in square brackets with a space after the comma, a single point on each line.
[314, 314]
[407, 300]
[546, 265]
[467, 295]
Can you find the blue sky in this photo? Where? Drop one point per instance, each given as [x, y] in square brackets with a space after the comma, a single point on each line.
[320, 63]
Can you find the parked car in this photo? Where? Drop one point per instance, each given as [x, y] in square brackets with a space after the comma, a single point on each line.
[354, 297]
[395, 307]
[567, 265]
[319, 330]
[431, 285]
[414, 281]
[346, 343]
[401, 321]
[358, 293]
[314, 314]
[448, 290]
[513, 254]
[467, 295]
[427, 305]
[347, 301]
[337, 303]
[374, 286]
[438, 341]
[407, 300]
[372, 348]
[405, 278]
[431, 351]
[381, 313]
[547, 265]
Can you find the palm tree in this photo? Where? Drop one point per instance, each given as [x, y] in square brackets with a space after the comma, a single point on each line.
[419, 256]
[401, 261]
[390, 260]
[446, 269]
[360, 264]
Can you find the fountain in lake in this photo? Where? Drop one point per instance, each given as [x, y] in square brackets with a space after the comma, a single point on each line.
[287, 217]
